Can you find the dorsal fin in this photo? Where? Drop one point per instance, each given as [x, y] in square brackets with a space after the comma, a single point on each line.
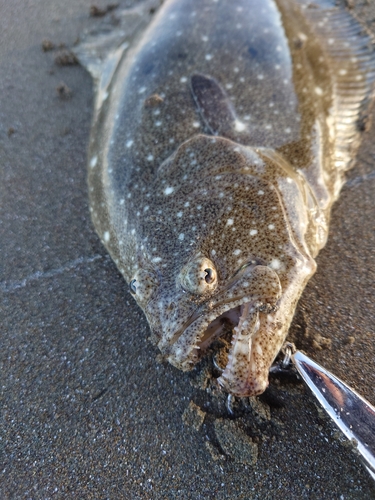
[352, 57]
[216, 109]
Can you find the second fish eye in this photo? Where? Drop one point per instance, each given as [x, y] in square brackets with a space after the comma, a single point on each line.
[133, 287]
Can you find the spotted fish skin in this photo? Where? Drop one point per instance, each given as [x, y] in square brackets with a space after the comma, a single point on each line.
[219, 143]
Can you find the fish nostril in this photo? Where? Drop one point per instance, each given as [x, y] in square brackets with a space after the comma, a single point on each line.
[210, 276]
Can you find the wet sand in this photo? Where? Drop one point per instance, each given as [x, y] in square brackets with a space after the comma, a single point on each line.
[86, 411]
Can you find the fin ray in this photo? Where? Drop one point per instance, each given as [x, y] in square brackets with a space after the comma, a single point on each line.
[351, 52]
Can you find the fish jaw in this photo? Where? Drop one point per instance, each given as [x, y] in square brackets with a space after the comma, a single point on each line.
[258, 339]
[255, 343]
[241, 376]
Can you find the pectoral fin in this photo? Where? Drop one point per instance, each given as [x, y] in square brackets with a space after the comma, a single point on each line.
[213, 104]
[215, 107]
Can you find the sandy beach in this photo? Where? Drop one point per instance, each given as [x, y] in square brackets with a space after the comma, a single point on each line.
[86, 410]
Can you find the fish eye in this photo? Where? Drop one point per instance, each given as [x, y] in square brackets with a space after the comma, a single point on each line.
[210, 275]
[133, 287]
[199, 276]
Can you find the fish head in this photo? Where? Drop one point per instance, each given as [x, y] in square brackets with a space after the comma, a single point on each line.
[217, 256]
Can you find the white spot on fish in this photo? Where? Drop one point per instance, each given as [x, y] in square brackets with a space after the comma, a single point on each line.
[142, 90]
[129, 143]
[271, 226]
[93, 161]
[179, 214]
[168, 190]
[259, 349]
[237, 252]
[318, 91]
[150, 158]
[196, 125]
[275, 264]
[230, 222]
[253, 232]
[239, 126]
[260, 192]
[157, 259]
[208, 57]
[181, 236]
[106, 236]
[213, 252]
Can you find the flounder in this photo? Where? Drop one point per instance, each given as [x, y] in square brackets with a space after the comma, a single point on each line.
[221, 135]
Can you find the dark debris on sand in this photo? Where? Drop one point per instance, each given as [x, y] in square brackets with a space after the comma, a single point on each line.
[96, 11]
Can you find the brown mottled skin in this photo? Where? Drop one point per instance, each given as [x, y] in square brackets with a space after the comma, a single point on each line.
[217, 149]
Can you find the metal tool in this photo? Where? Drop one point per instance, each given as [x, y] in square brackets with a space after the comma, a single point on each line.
[352, 414]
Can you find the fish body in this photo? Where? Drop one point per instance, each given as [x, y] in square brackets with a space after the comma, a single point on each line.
[219, 143]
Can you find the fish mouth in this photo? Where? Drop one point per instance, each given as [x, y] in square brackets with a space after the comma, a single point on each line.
[222, 320]
[235, 314]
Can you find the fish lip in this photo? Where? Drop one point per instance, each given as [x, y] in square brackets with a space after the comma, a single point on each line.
[235, 378]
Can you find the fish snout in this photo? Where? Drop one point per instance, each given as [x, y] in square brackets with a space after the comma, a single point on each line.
[261, 282]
